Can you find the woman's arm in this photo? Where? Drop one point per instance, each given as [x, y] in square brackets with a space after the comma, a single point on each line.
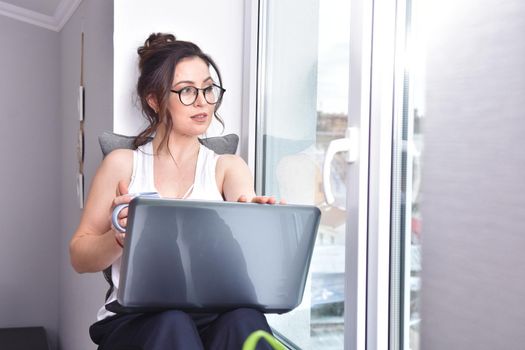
[237, 181]
[93, 246]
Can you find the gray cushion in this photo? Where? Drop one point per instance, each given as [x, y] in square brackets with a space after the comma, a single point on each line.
[226, 144]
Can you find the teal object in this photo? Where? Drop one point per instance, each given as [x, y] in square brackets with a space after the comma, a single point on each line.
[251, 342]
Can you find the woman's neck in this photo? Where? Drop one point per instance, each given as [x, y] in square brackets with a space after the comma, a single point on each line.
[179, 147]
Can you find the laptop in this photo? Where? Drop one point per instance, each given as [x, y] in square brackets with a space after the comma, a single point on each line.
[213, 256]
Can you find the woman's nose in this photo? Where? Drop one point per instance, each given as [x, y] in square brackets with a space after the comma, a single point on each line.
[200, 100]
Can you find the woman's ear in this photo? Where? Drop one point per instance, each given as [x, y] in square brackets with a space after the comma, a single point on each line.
[152, 102]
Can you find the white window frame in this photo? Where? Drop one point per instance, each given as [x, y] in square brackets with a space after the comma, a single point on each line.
[371, 108]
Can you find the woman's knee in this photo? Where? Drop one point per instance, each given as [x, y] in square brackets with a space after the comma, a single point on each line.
[155, 331]
[231, 329]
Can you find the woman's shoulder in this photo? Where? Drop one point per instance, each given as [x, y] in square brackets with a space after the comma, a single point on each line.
[228, 160]
[231, 164]
[118, 161]
[119, 155]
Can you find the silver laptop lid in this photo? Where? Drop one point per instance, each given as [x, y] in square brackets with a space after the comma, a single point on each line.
[211, 256]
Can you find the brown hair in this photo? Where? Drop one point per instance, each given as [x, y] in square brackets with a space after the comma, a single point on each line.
[158, 57]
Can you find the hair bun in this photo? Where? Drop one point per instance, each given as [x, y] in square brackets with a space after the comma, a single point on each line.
[153, 43]
[156, 40]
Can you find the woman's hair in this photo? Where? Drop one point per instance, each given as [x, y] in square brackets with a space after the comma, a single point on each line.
[158, 57]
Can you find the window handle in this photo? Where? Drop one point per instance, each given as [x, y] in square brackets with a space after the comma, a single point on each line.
[349, 144]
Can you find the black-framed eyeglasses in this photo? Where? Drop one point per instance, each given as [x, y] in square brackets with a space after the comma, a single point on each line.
[188, 95]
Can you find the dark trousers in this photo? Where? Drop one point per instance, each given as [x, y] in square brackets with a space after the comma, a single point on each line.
[175, 329]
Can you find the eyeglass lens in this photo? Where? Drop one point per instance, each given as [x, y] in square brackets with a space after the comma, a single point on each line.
[189, 94]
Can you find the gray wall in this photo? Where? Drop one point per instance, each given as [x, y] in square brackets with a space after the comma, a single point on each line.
[473, 293]
[82, 295]
[40, 72]
[29, 176]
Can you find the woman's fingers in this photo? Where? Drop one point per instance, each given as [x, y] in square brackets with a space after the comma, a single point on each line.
[122, 195]
[261, 200]
[123, 222]
[122, 188]
[123, 213]
[258, 199]
[122, 200]
[271, 200]
[119, 237]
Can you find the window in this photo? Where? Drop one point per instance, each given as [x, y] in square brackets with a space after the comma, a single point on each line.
[304, 106]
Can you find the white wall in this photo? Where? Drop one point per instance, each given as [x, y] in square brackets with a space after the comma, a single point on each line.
[29, 176]
[82, 295]
[215, 26]
[473, 177]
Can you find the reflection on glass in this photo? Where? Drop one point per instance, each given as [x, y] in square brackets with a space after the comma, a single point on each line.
[417, 111]
[304, 107]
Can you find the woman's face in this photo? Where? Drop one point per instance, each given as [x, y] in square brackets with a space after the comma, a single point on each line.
[193, 119]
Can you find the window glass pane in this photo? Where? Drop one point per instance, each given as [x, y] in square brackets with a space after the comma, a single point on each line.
[406, 199]
[304, 106]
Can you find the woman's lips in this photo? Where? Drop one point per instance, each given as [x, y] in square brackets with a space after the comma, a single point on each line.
[201, 117]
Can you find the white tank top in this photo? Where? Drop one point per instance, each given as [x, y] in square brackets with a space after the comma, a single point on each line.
[142, 180]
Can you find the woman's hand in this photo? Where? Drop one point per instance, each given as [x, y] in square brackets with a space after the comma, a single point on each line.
[122, 197]
[260, 200]
[237, 181]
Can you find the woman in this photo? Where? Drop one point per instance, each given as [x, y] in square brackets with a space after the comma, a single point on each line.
[179, 98]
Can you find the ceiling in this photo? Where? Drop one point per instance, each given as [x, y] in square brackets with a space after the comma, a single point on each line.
[49, 14]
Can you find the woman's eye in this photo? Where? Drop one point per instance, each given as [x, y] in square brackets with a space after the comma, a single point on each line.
[208, 89]
[187, 90]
